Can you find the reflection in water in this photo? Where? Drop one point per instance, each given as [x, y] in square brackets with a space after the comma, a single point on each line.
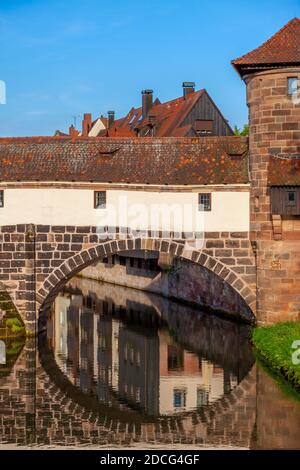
[2, 352]
[123, 368]
[124, 352]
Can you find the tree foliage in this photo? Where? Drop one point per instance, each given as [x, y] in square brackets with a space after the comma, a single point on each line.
[241, 131]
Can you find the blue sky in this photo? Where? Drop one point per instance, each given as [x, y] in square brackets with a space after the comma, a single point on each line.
[62, 58]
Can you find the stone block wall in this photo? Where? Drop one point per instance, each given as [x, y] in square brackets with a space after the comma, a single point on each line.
[36, 261]
[274, 120]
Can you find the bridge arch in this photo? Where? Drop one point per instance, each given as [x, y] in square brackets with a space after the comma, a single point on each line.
[47, 291]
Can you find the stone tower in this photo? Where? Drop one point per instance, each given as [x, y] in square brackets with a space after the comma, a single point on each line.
[272, 76]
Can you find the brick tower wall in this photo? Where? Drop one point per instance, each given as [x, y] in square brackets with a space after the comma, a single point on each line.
[274, 129]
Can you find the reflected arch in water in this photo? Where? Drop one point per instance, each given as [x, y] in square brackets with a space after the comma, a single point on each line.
[217, 425]
[217, 340]
[36, 412]
[240, 291]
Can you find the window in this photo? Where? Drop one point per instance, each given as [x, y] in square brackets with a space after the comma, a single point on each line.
[291, 198]
[179, 398]
[1, 198]
[122, 260]
[100, 199]
[175, 358]
[202, 397]
[205, 202]
[204, 126]
[292, 86]
[133, 118]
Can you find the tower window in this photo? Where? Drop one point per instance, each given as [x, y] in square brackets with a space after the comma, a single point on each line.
[2, 198]
[100, 199]
[292, 86]
[204, 201]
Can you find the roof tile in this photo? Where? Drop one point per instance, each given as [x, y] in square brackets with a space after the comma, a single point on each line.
[284, 171]
[282, 48]
[173, 161]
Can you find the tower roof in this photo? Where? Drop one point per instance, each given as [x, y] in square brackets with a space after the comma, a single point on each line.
[283, 48]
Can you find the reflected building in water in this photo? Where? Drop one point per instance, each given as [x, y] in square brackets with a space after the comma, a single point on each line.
[125, 355]
[114, 372]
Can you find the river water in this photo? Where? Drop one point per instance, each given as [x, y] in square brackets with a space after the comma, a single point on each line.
[120, 368]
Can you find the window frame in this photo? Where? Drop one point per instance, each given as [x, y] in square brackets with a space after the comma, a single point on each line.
[295, 92]
[202, 207]
[202, 397]
[291, 203]
[102, 206]
[181, 392]
[1, 198]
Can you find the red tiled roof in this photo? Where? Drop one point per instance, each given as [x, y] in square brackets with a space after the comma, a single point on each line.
[182, 131]
[173, 161]
[168, 118]
[59, 133]
[282, 48]
[284, 171]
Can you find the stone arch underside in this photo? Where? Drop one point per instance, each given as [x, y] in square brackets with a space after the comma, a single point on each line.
[47, 290]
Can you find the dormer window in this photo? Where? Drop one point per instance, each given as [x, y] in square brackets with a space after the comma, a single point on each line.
[293, 84]
[203, 126]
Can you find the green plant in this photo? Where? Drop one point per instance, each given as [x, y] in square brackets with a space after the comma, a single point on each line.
[14, 324]
[244, 131]
[14, 348]
[275, 346]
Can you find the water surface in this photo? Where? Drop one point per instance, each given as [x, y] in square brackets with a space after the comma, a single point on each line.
[119, 367]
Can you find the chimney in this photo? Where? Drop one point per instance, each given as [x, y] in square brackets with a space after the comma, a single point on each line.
[86, 124]
[111, 118]
[73, 133]
[188, 87]
[147, 101]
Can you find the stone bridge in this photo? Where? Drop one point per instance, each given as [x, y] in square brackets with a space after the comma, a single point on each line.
[36, 261]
